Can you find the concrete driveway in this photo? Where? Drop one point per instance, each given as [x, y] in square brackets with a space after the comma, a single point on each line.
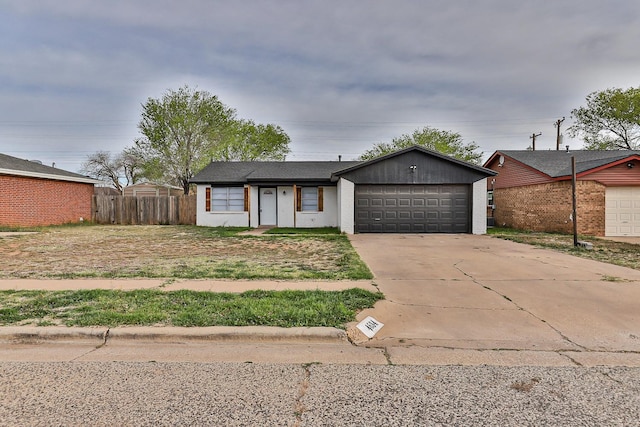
[483, 293]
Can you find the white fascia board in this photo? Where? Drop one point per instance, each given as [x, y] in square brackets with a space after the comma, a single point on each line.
[49, 176]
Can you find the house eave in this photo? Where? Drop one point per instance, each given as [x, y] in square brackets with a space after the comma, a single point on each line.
[39, 175]
[269, 183]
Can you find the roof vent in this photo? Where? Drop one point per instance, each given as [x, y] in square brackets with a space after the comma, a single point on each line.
[36, 161]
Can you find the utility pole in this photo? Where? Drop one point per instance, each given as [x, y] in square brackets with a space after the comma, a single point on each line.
[557, 125]
[574, 215]
[533, 138]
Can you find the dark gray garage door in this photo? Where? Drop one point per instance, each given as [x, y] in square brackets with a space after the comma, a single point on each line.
[412, 208]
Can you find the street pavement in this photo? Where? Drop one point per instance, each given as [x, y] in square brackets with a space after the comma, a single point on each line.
[250, 394]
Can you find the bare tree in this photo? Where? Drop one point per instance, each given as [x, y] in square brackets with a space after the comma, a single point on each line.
[116, 170]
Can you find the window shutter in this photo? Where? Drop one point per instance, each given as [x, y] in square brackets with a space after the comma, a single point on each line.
[207, 199]
[298, 199]
[320, 199]
[246, 199]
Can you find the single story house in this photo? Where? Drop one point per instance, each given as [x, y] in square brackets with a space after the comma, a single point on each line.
[34, 194]
[145, 189]
[533, 191]
[414, 190]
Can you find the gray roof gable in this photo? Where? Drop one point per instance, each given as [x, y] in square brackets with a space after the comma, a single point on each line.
[246, 172]
[14, 166]
[558, 163]
[436, 154]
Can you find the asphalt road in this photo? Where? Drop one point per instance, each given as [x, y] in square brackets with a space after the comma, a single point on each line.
[250, 394]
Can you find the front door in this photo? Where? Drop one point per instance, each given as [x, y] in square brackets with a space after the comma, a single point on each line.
[268, 206]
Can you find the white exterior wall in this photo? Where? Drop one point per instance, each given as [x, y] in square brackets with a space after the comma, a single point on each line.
[346, 208]
[479, 207]
[217, 219]
[286, 206]
[327, 218]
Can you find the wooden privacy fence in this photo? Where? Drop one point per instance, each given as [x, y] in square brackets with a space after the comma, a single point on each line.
[164, 210]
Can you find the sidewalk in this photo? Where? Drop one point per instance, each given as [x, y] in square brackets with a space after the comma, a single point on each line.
[207, 285]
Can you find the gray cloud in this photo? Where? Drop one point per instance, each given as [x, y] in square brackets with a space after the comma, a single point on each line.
[338, 76]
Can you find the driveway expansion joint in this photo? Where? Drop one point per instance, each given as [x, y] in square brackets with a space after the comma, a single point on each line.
[556, 330]
[571, 359]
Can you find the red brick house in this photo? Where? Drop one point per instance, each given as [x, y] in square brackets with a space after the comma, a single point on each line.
[532, 191]
[32, 194]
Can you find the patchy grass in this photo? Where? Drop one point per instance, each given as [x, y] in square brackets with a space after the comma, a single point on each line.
[100, 307]
[9, 229]
[177, 252]
[618, 253]
[607, 278]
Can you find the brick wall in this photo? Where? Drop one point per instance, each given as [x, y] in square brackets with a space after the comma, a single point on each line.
[32, 202]
[548, 207]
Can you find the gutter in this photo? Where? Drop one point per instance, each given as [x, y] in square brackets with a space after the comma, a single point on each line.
[55, 177]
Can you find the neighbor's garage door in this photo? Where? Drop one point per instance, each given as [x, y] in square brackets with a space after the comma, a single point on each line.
[622, 216]
[412, 208]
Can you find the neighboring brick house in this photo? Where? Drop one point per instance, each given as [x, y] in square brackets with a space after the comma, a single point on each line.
[32, 194]
[533, 191]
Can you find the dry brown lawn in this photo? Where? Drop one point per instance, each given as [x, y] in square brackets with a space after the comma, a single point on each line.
[609, 251]
[175, 252]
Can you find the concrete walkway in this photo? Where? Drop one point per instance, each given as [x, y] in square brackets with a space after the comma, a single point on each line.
[207, 285]
[478, 293]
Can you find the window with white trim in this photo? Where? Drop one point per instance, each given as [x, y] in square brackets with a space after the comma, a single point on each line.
[309, 199]
[230, 199]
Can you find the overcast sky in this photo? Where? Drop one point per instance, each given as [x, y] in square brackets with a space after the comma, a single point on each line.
[338, 76]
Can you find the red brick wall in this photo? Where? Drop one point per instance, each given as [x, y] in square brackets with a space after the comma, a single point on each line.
[547, 207]
[32, 202]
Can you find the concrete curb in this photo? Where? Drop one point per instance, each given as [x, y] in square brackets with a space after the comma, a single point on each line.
[31, 334]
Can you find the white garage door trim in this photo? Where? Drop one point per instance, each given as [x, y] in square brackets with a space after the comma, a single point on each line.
[622, 211]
